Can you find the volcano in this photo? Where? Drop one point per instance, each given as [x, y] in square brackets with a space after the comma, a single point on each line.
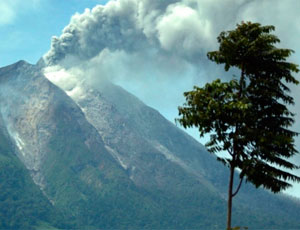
[107, 160]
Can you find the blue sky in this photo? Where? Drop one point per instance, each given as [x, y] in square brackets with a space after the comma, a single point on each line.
[26, 27]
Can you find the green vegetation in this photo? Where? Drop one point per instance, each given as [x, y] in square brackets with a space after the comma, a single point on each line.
[22, 204]
[95, 192]
[248, 118]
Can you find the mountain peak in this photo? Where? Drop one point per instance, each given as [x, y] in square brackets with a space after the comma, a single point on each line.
[19, 66]
[21, 63]
[15, 65]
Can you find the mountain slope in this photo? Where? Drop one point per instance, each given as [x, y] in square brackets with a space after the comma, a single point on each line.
[109, 106]
[22, 203]
[106, 160]
[64, 153]
[67, 158]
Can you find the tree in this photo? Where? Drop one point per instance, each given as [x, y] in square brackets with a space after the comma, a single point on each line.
[248, 117]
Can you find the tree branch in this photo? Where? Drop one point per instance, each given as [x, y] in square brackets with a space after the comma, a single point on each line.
[230, 152]
[238, 188]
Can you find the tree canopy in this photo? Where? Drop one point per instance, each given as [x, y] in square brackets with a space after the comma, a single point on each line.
[248, 116]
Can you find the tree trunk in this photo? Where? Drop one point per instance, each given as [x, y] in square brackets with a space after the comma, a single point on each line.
[229, 204]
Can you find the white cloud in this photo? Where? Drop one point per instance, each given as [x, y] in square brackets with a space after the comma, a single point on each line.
[7, 13]
[9, 10]
[182, 29]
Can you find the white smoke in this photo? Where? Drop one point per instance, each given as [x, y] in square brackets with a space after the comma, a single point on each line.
[157, 49]
[183, 28]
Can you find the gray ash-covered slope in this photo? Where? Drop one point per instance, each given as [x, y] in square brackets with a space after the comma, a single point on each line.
[109, 161]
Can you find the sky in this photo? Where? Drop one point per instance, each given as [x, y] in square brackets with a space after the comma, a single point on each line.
[26, 27]
[156, 49]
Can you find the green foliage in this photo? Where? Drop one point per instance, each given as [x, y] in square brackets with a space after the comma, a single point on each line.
[249, 118]
[217, 108]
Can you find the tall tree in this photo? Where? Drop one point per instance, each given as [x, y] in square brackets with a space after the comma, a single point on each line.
[248, 117]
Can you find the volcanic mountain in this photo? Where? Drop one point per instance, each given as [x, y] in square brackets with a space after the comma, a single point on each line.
[106, 160]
